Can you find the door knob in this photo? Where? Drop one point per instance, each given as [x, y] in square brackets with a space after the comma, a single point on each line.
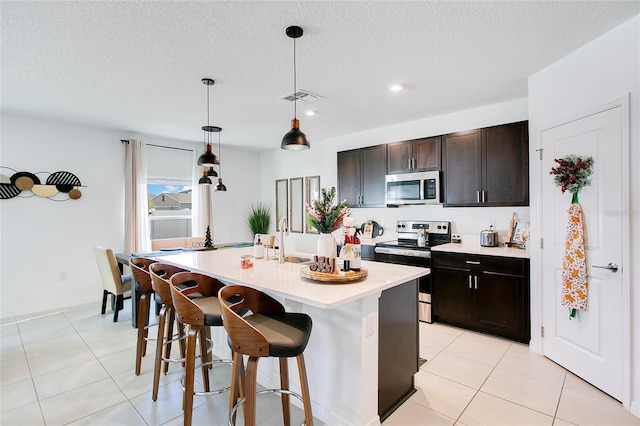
[610, 267]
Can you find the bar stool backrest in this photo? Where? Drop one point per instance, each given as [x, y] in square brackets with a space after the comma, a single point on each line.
[140, 271]
[186, 310]
[235, 302]
[161, 273]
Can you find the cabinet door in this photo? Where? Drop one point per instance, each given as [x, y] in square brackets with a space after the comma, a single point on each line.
[427, 154]
[505, 163]
[399, 157]
[349, 177]
[451, 298]
[499, 302]
[373, 167]
[461, 161]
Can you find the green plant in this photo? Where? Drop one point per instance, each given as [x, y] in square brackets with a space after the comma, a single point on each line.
[323, 215]
[260, 218]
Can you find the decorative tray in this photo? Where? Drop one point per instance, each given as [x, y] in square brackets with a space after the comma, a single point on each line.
[333, 278]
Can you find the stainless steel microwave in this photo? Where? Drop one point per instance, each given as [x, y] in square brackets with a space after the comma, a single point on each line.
[413, 188]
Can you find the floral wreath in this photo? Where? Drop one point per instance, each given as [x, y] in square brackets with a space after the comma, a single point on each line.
[572, 173]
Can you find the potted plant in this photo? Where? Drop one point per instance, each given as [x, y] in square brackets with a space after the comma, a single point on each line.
[259, 218]
[326, 218]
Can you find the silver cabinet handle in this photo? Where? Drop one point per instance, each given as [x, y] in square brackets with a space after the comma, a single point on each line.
[475, 282]
[484, 196]
[472, 262]
[612, 267]
[470, 286]
[478, 196]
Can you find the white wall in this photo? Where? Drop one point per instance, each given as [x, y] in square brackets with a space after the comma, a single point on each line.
[598, 73]
[39, 238]
[321, 160]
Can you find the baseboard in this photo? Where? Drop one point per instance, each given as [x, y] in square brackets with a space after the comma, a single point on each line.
[52, 307]
[635, 409]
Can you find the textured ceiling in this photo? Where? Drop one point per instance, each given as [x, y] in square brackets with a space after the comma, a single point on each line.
[137, 66]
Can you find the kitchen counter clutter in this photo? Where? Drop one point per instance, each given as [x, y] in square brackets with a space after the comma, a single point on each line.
[475, 248]
[359, 366]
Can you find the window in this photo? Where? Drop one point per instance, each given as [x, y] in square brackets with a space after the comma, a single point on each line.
[169, 179]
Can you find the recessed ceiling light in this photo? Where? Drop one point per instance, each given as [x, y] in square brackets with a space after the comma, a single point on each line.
[395, 87]
[310, 113]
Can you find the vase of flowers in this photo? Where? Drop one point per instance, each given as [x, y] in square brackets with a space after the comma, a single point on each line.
[326, 217]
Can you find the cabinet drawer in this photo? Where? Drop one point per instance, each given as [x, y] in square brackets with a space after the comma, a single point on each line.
[491, 264]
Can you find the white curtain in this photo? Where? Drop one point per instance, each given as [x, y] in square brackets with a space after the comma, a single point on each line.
[200, 199]
[136, 202]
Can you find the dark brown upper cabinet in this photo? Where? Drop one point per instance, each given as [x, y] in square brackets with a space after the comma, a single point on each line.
[487, 167]
[361, 174]
[417, 155]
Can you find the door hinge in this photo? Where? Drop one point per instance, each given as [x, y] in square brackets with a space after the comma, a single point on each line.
[542, 331]
[540, 152]
[541, 243]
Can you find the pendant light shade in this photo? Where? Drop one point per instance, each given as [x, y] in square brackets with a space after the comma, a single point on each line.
[208, 159]
[220, 186]
[294, 140]
[204, 180]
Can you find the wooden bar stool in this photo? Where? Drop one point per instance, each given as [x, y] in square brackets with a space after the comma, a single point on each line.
[140, 271]
[198, 314]
[267, 331]
[160, 275]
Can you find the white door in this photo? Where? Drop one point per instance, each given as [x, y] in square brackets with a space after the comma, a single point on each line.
[591, 344]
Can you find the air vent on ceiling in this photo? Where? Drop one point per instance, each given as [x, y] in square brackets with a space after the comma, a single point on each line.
[301, 96]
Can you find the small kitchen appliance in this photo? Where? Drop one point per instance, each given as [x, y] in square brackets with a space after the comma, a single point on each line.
[489, 237]
[413, 248]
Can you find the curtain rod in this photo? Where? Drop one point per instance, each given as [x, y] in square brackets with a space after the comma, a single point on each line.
[161, 146]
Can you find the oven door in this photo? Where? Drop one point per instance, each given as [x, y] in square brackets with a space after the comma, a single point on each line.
[424, 283]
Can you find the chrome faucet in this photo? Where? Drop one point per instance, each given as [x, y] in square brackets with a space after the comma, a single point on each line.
[283, 231]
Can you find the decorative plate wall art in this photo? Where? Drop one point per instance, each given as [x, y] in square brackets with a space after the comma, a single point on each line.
[56, 186]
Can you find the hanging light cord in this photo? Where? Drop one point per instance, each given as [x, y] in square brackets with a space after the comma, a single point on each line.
[208, 104]
[295, 85]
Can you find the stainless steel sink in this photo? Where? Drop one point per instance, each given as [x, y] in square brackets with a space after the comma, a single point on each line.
[297, 259]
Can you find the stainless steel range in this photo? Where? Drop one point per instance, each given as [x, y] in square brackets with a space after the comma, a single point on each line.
[413, 248]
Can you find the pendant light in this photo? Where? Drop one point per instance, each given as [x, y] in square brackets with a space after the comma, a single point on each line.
[208, 159]
[220, 186]
[294, 140]
[204, 180]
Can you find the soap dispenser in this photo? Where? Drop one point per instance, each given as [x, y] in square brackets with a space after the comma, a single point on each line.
[258, 250]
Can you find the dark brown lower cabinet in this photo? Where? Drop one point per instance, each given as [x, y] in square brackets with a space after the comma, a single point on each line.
[482, 293]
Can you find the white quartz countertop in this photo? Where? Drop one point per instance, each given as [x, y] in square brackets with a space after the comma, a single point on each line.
[476, 248]
[284, 279]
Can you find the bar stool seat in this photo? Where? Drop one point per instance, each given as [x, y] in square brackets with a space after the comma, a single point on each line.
[198, 315]
[259, 327]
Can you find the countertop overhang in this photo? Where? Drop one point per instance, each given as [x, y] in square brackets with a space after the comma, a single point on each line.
[284, 279]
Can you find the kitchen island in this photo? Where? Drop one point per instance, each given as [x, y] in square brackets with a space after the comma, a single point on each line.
[363, 350]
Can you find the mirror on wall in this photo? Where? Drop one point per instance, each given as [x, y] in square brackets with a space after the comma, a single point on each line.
[282, 199]
[296, 204]
[312, 193]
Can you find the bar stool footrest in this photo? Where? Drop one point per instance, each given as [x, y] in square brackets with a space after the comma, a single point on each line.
[260, 392]
[206, 364]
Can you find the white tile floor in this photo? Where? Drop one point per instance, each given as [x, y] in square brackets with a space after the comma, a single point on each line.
[76, 367]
